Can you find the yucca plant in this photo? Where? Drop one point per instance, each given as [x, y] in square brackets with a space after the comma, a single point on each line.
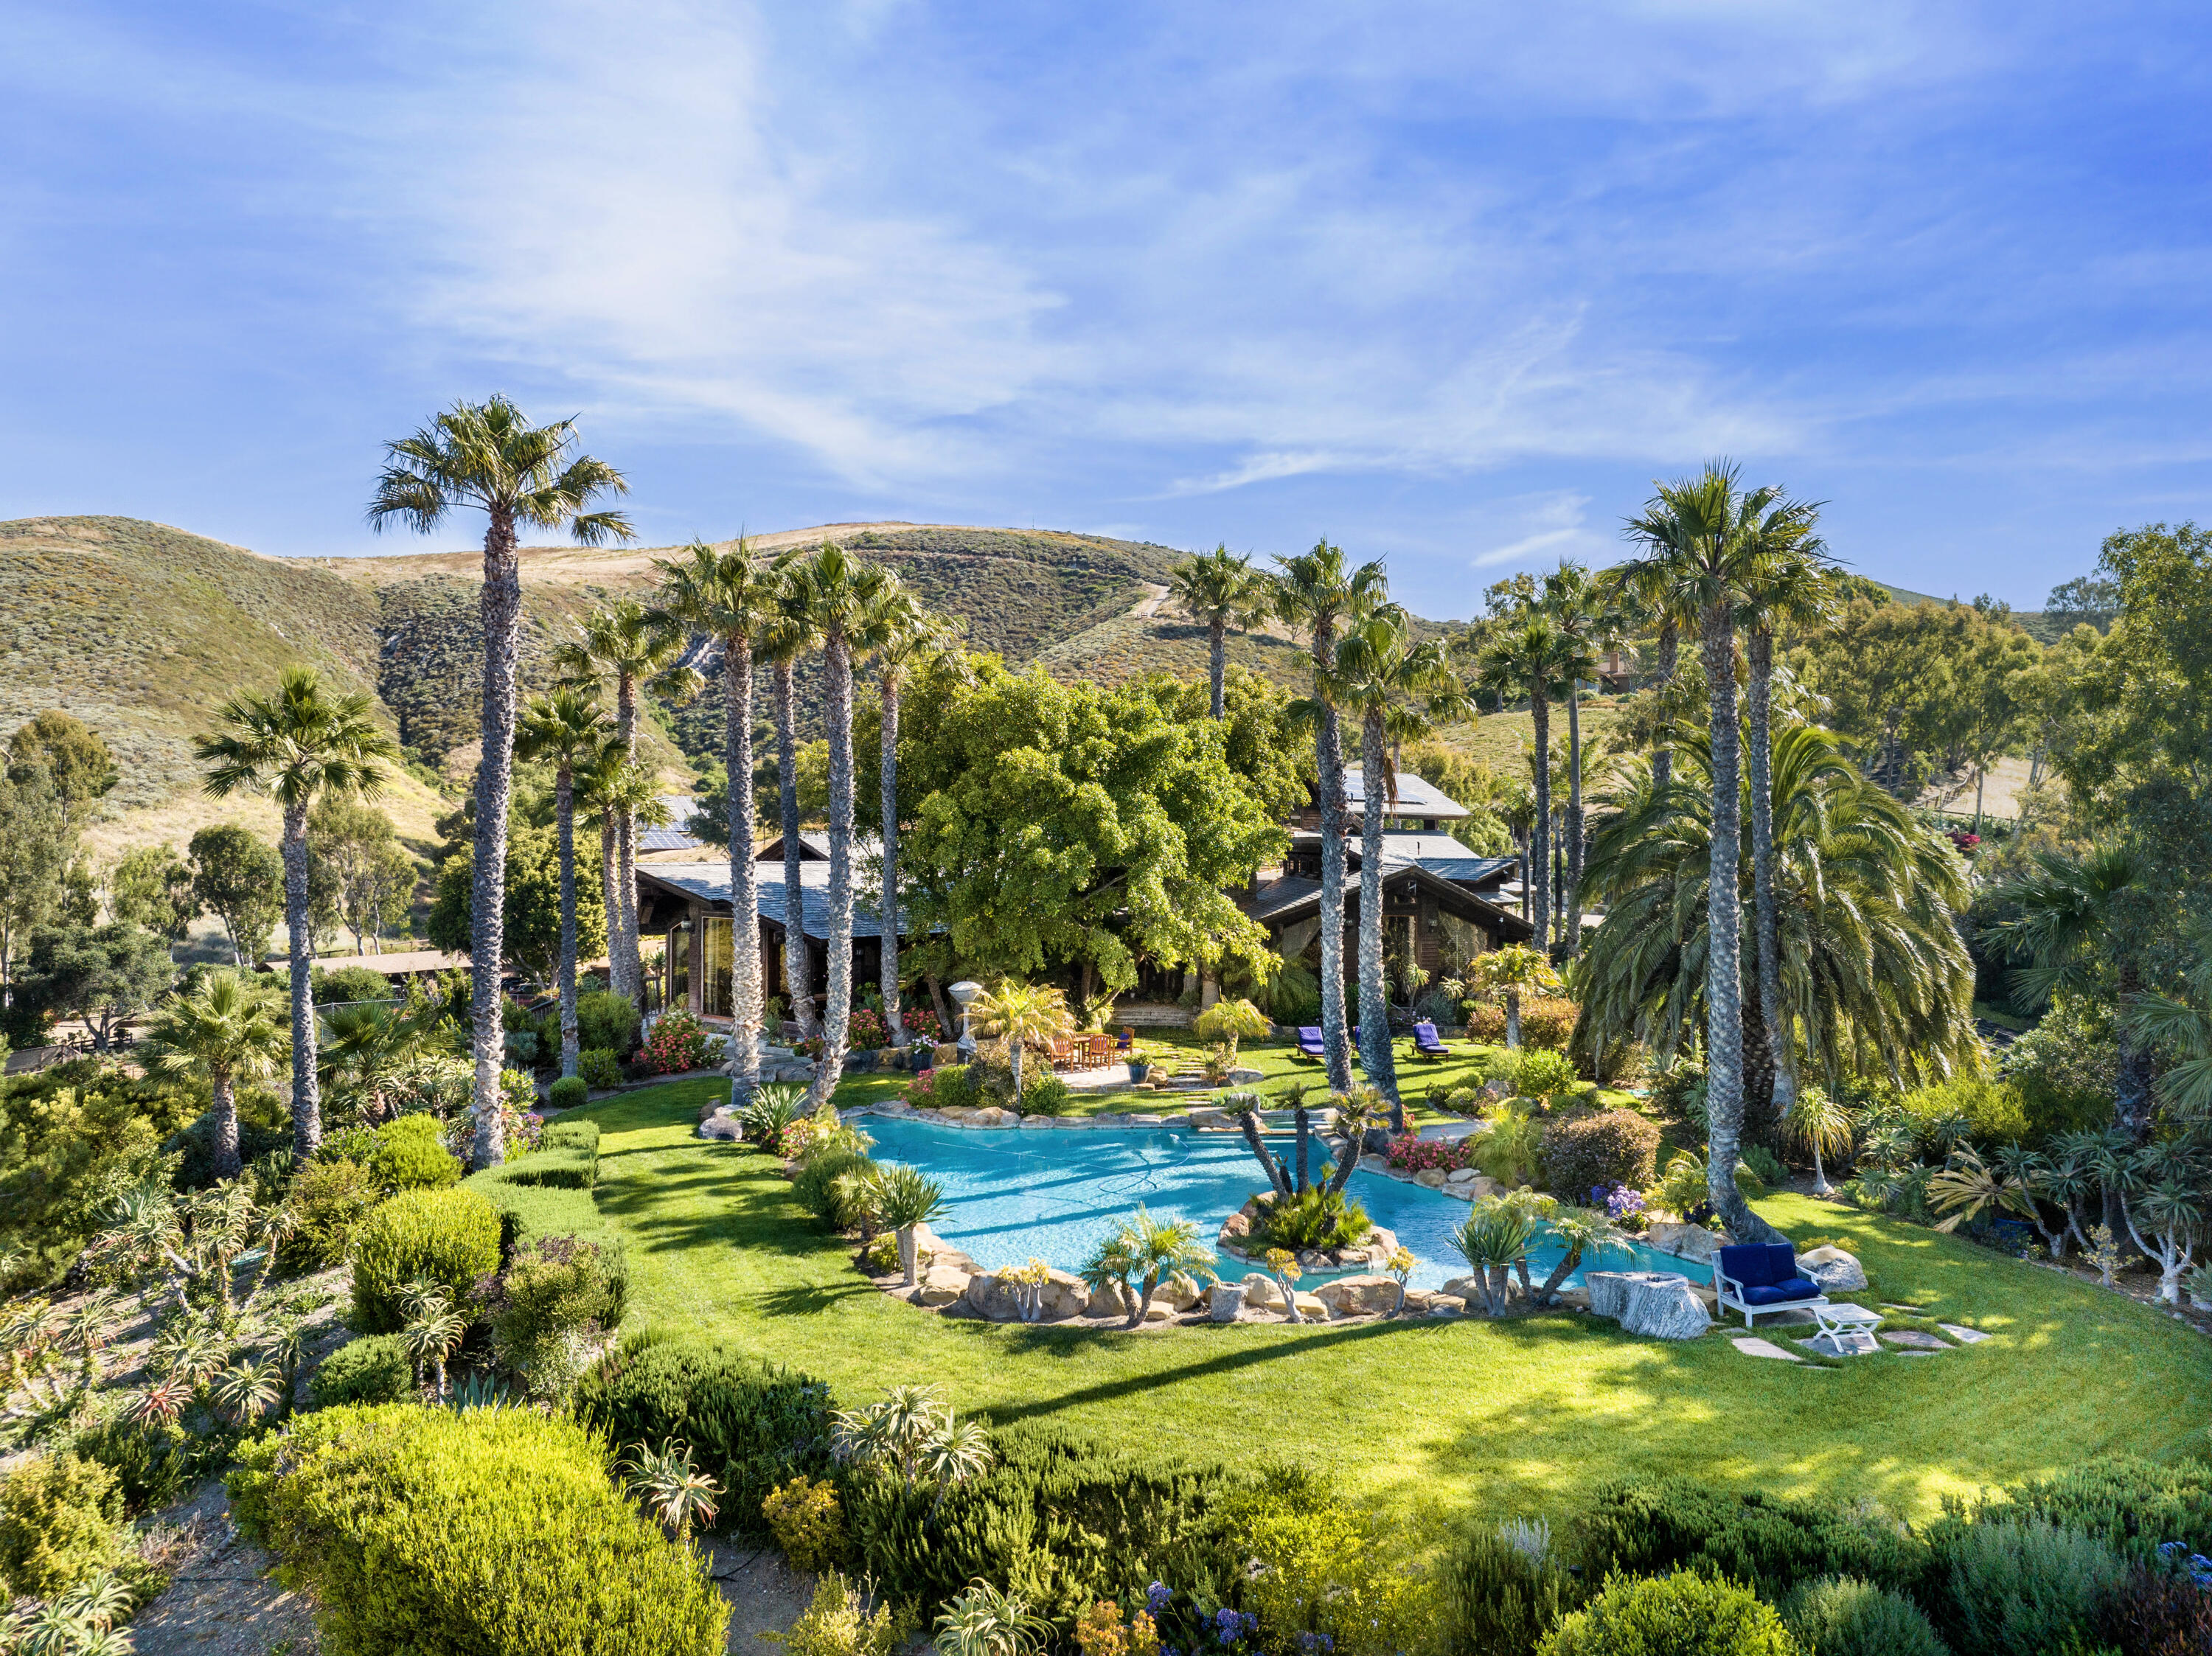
[433, 1330]
[909, 1198]
[677, 1493]
[773, 1107]
[1494, 1239]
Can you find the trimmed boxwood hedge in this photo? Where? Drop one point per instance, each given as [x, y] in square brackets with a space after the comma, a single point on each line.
[449, 1236]
[568, 1157]
[450, 1534]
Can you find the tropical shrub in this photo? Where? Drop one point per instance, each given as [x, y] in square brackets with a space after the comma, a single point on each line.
[1045, 1094]
[1541, 1072]
[1508, 1151]
[958, 1086]
[804, 1517]
[331, 1195]
[550, 1310]
[1496, 1597]
[1767, 1165]
[1995, 1111]
[409, 1155]
[678, 1043]
[60, 1522]
[607, 1022]
[370, 1369]
[1998, 1588]
[599, 1068]
[450, 1237]
[1841, 1615]
[1646, 1528]
[2067, 1067]
[1680, 1615]
[822, 1186]
[344, 985]
[1582, 1153]
[751, 1426]
[566, 1093]
[1314, 1218]
[514, 1535]
[1330, 1578]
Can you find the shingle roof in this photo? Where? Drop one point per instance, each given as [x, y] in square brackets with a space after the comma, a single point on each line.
[1416, 797]
[710, 883]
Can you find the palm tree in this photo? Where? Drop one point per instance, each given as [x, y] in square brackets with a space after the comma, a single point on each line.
[1701, 536]
[1647, 599]
[1817, 1123]
[1022, 1013]
[2185, 1029]
[790, 637]
[1157, 1249]
[1379, 669]
[1529, 654]
[1591, 624]
[1221, 590]
[607, 787]
[628, 644]
[2070, 924]
[567, 729]
[1314, 590]
[298, 745]
[1509, 973]
[732, 599]
[363, 1048]
[1583, 1232]
[827, 595]
[227, 1031]
[486, 456]
[1787, 585]
[897, 634]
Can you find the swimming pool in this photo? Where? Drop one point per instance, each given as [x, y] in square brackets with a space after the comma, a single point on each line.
[1055, 1194]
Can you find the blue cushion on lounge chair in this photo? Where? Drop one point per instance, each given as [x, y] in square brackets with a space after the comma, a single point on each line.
[1759, 1264]
[1310, 1037]
[1425, 1035]
[1781, 1293]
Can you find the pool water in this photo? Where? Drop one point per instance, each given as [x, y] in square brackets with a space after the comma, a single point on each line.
[1056, 1194]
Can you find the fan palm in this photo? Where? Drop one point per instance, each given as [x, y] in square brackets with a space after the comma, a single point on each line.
[2184, 1027]
[1529, 654]
[1315, 592]
[1874, 972]
[786, 641]
[897, 634]
[1702, 536]
[487, 456]
[567, 729]
[637, 650]
[226, 1030]
[296, 745]
[1023, 1015]
[1220, 591]
[1509, 973]
[1157, 1249]
[1378, 668]
[361, 1047]
[1592, 623]
[610, 787]
[731, 597]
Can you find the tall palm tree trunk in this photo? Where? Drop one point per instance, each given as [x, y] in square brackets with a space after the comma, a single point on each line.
[1217, 630]
[622, 920]
[797, 952]
[1723, 925]
[837, 665]
[1662, 753]
[1573, 928]
[501, 609]
[1784, 1089]
[745, 990]
[1537, 871]
[887, 903]
[306, 1102]
[227, 1164]
[608, 883]
[1374, 1053]
[564, 802]
[1329, 755]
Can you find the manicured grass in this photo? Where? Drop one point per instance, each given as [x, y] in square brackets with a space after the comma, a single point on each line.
[1522, 1417]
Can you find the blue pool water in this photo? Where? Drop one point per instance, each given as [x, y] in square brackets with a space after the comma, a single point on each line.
[1056, 1194]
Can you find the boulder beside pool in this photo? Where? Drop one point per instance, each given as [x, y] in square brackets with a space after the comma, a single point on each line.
[1835, 1270]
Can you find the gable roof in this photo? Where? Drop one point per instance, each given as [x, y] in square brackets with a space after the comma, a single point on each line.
[1416, 797]
[709, 882]
[1290, 897]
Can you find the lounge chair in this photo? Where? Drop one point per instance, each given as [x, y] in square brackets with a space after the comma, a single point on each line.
[1761, 1278]
[1310, 1044]
[1426, 1045]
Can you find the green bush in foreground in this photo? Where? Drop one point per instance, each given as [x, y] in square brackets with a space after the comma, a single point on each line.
[447, 1236]
[1646, 1528]
[2000, 1588]
[1840, 1615]
[567, 1155]
[60, 1522]
[568, 1092]
[1679, 1614]
[600, 1068]
[374, 1368]
[443, 1533]
[1493, 1598]
[410, 1155]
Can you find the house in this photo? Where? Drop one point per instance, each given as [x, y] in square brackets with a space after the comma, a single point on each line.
[1418, 804]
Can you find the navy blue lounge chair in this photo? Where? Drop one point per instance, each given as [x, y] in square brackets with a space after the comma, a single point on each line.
[1425, 1044]
[1310, 1043]
[1761, 1278]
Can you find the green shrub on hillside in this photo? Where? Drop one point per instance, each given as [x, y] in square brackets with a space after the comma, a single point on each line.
[1644, 1528]
[330, 1195]
[1994, 1111]
[1496, 1598]
[567, 1154]
[514, 1537]
[60, 1523]
[447, 1236]
[68, 1136]
[370, 1369]
[2132, 1506]
[552, 1304]
[1679, 1614]
[1995, 1589]
[1328, 1572]
[1839, 1615]
[339, 986]
[410, 1155]
[153, 1464]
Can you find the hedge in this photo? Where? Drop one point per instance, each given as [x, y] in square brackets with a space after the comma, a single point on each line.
[410, 1155]
[1613, 1147]
[445, 1533]
[1680, 1615]
[1644, 1529]
[567, 1158]
[448, 1236]
[750, 1425]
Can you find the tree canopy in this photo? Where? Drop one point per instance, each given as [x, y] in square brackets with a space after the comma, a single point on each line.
[531, 938]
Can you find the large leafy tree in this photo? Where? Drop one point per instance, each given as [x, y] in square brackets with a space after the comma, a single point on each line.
[152, 886]
[36, 843]
[298, 746]
[224, 1029]
[238, 877]
[1873, 975]
[488, 458]
[1379, 669]
[353, 852]
[567, 729]
[105, 975]
[1068, 827]
[1218, 590]
[531, 929]
[731, 598]
[1319, 593]
[72, 752]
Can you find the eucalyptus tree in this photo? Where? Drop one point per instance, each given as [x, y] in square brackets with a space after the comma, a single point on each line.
[1221, 590]
[1787, 584]
[1591, 624]
[487, 456]
[732, 598]
[1316, 592]
[897, 634]
[568, 729]
[827, 595]
[225, 1030]
[791, 637]
[1527, 652]
[297, 745]
[1379, 669]
[637, 650]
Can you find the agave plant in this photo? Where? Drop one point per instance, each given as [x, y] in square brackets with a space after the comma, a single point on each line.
[479, 1391]
[1493, 1238]
[912, 1432]
[982, 1621]
[433, 1330]
[910, 1197]
[245, 1390]
[772, 1108]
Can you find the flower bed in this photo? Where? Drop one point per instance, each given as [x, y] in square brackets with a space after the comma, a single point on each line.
[1412, 1155]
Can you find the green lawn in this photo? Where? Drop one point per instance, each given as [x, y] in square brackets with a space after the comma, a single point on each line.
[1428, 1417]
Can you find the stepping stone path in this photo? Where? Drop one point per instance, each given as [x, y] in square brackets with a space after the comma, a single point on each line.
[1751, 1346]
[1911, 1339]
[1964, 1335]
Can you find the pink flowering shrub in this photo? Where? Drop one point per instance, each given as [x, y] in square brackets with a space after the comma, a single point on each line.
[1412, 1155]
[920, 1090]
[678, 1042]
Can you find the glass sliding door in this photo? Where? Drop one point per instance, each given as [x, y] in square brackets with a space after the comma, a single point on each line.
[678, 957]
[715, 968]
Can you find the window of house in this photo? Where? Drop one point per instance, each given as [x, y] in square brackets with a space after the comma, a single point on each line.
[714, 969]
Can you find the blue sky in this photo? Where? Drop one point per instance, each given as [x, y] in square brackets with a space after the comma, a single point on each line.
[1448, 284]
